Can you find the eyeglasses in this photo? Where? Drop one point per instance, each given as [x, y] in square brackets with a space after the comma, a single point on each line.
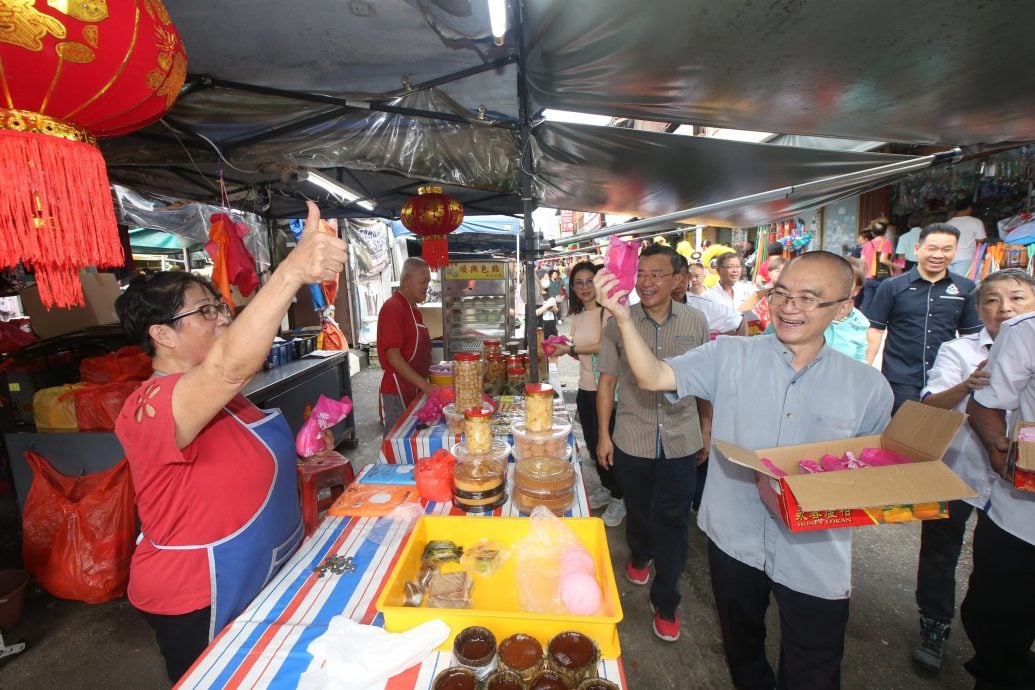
[582, 283]
[803, 302]
[652, 277]
[211, 312]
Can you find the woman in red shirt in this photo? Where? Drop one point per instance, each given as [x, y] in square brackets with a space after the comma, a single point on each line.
[214, 475]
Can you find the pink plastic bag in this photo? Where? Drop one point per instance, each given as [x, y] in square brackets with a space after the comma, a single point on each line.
[879, 457]
[832, 463]
[431, 411]
[550, 344]
[621, 262]
[326, 413]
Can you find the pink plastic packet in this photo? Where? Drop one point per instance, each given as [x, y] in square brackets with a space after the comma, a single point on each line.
[773, 468]
[621, 261]
[852, 462]
[550, 344]
[832, 463]
[809, 467]
[880, 457]
[326, 413]
[431, 411]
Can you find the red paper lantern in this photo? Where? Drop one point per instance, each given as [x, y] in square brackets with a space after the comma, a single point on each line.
[432, 215]
[70, 71]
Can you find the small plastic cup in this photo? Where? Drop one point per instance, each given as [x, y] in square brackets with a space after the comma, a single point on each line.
[504, 680]
[548, 680]
[474, 648]
[597, 684]
[455, 678]
[522, 654]
[574, 656]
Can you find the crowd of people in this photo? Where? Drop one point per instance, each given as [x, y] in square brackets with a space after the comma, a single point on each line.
[663, 369]
[660, 369]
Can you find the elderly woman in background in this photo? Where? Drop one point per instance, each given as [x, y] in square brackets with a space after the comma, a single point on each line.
[214, 475]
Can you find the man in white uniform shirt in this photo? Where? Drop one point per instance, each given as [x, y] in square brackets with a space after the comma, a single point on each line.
[958, 371]
[998, 612]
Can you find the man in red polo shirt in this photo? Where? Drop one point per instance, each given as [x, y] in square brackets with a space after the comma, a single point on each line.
[403, 343]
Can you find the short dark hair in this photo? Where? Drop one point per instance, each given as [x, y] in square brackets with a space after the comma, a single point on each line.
[684, 265]
[774, 249]
[721, 259]
[575, 305]
[662, 250]
[938, 229]
[962, 203]
[154, 299]
[1017, 274]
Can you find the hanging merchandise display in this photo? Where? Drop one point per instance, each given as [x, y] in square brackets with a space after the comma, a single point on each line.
[74, 71]
[432, 215]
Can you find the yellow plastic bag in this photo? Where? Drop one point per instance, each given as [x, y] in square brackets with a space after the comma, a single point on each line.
[54, 408]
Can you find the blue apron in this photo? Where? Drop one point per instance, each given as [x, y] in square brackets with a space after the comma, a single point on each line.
[242, 563]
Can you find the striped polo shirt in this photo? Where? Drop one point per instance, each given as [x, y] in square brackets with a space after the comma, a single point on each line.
[646, 423]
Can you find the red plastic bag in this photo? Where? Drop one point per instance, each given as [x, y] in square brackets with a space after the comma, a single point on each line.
[97, 405]
[15, 334]
[621, 261]
[129, 363]
[434, 476]
[78, 532]
[326, 413]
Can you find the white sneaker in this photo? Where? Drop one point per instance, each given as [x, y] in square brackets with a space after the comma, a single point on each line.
[614, 514]
[599, 497]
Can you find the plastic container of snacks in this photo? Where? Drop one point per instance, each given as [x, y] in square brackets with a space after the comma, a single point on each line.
[538, 406]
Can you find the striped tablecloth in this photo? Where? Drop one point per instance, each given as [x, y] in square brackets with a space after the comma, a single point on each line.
[265, 647]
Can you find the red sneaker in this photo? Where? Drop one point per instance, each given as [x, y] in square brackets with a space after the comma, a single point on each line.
[637, 576]
[666, 629]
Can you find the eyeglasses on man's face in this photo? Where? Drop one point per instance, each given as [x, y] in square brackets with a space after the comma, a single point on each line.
[211, 312]
[654, 277]
[778, 298]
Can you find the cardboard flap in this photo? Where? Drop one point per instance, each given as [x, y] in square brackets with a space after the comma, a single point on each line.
[924, 482]
[922, 432]
[742, 456]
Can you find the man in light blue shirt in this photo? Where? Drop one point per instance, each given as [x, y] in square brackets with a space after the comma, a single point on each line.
[773, 390]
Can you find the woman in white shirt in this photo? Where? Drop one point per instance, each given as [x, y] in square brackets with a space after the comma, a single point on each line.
[587, 324]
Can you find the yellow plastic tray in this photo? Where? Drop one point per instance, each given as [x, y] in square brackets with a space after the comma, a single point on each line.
[495, 598]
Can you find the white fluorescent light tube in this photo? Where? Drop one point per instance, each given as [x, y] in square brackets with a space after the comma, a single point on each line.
[338, 189]
[498, 20]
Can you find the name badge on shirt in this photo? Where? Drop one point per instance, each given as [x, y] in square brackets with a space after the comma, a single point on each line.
[956, 297]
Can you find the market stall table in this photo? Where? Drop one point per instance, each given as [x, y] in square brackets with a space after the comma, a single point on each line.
[265, 647]
[409, 439]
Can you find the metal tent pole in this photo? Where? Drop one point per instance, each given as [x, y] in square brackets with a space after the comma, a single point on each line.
[532, 243]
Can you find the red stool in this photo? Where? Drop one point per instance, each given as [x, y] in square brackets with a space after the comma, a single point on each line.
[321, 479]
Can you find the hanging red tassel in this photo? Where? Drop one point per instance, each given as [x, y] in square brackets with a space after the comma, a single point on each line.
[435, 250]
[58, 210]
